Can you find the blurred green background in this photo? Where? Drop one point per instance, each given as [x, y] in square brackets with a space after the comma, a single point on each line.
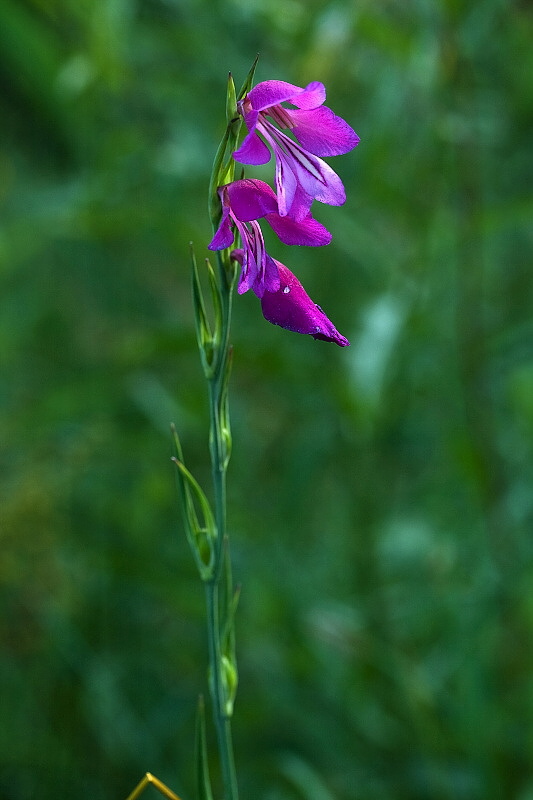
[381, 496]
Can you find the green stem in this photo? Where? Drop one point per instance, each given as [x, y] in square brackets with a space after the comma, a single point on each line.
[216, 360]
[217, 611]
[222, 720]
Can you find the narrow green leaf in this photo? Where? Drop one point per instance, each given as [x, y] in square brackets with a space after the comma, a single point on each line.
[199, 495]
[204, 336]
[231, 101]
[197, 292]
[217, 173]
[247, 85]
[229, 600]
[217, 301]
[203, 781]
[228, 629]
[201, 537]
[224, 409]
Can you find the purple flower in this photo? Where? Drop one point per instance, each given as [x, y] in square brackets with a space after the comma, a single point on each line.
[243, 203]
[291, 307]
[301, 177]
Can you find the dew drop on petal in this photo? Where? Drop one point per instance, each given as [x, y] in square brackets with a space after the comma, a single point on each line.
[286, 289]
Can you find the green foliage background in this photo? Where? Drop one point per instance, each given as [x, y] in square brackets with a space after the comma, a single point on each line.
[381, 496]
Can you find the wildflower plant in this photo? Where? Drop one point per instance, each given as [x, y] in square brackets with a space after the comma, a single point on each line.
[237, 207]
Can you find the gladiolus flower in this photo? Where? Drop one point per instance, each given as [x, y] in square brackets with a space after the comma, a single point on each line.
[243, 203]
[301, 176]
[291, 307]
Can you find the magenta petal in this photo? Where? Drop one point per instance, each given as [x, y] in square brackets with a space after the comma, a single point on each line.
[327, 188]
[292, 309]
[286, 181]
[301, 204]
[259, 271]
[271, 280]
[312, 96]
[251, 199]
[224, 236]
[322, 132]
[270, 93]
[249, 269]
[301, 175]
[252, 150]
[307, 231]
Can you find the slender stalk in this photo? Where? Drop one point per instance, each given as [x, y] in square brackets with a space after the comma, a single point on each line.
[219, 589]
[207, 530]
[222, 720]
[217, 616]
